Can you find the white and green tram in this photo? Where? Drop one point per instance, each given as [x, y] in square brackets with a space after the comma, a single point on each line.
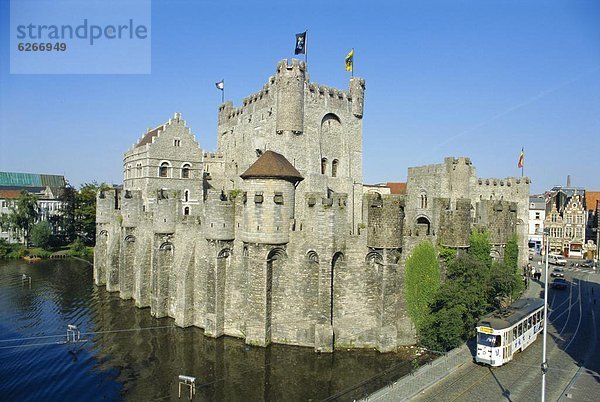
[503, 333]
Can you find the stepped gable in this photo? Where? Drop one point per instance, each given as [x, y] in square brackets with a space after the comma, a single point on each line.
[272, 165]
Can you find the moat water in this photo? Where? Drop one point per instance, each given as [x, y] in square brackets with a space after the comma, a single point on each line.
[128, 355]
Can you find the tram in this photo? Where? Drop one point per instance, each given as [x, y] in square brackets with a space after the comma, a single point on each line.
[503, 333]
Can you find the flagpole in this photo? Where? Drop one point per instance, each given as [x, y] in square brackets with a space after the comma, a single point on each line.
[352, 69]
[523, 165]
[306, 49]
[223, 92]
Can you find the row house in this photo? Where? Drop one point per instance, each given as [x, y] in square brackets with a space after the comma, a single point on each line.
[565, 220]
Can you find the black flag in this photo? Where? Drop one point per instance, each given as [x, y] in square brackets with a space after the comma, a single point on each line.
[300, 43]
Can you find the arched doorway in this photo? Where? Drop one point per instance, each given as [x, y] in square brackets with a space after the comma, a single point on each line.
[423, 226]
[275, 261]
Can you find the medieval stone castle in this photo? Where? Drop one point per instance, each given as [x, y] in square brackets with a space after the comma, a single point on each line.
[271, 238]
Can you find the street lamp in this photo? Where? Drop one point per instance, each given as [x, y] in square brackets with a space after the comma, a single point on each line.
[544, 361]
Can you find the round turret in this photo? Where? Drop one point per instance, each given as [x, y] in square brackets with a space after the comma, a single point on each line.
[290, 96]
[270, 192]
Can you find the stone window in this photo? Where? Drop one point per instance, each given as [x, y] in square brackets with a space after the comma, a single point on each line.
[569, 219]
[186, 210]
[334, 168]
[537, 215]
[186, 195]
[176, 142]
[138, 167]
[163, 170]
[185, 171]
[278, 198]
[258, 198]
[324, 166]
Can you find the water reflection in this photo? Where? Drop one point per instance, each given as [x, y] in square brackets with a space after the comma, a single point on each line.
[130, 355]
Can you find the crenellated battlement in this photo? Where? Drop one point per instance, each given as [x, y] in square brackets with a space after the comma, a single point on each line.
[461, 160]
[209, 156]
[508, 182]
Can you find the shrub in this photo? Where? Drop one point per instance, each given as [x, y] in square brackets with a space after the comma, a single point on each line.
[422, 280]
[41, 234]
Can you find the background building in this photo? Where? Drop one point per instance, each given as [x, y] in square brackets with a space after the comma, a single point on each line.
[566, 219]
[47, 188]
[537, 215]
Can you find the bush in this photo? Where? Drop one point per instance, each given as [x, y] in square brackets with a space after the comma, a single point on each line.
[443, 331]
[79, 249]
[422, 280]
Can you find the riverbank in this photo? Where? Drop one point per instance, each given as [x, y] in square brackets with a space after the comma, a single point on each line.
[31, 254]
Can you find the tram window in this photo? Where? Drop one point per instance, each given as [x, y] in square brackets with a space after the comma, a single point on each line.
[515, 333]
[535, 318]
[529, 323]
[488, 340]
[520, 329]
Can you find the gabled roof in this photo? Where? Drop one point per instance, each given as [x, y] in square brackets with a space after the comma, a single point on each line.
[149, 136]
[397, 188]
[9, 194]
[272, 165]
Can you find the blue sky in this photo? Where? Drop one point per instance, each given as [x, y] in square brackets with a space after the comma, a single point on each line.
[444, 78]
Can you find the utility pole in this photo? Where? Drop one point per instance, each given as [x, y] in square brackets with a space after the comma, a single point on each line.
[544, 362]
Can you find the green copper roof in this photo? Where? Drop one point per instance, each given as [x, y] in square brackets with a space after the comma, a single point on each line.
[31, 180]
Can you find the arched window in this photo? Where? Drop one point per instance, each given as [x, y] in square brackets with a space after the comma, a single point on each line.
[138, 167]
[185, 171]
[163, 170]
[324, 166]
[186, 210]
[128, 171]
[186, 195]
[423, 200]
[334, 168]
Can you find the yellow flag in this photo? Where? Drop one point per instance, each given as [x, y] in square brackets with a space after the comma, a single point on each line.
[350, 60]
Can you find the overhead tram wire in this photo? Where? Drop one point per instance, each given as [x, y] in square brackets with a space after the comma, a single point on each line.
[63, 335]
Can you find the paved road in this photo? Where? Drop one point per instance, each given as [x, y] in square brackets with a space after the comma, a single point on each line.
[573, 354]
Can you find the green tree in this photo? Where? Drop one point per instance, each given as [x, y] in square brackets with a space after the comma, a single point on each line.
[466, 295]
[41, 234]
[25, 213]
[67, 224]
[480, 247]
[422, 281]
[85, 211]
[444, 330]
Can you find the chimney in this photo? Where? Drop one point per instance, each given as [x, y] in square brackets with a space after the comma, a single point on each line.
[568, 180]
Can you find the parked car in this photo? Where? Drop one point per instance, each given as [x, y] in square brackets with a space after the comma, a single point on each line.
[559, 283]
[588, 264]
[557, 273]
[557, 260]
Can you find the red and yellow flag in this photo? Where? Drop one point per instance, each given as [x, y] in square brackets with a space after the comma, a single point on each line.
[521, 159]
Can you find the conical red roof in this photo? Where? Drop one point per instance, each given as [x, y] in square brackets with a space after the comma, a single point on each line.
[273, 166]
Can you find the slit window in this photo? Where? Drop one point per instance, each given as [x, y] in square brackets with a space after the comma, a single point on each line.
[334, 168]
